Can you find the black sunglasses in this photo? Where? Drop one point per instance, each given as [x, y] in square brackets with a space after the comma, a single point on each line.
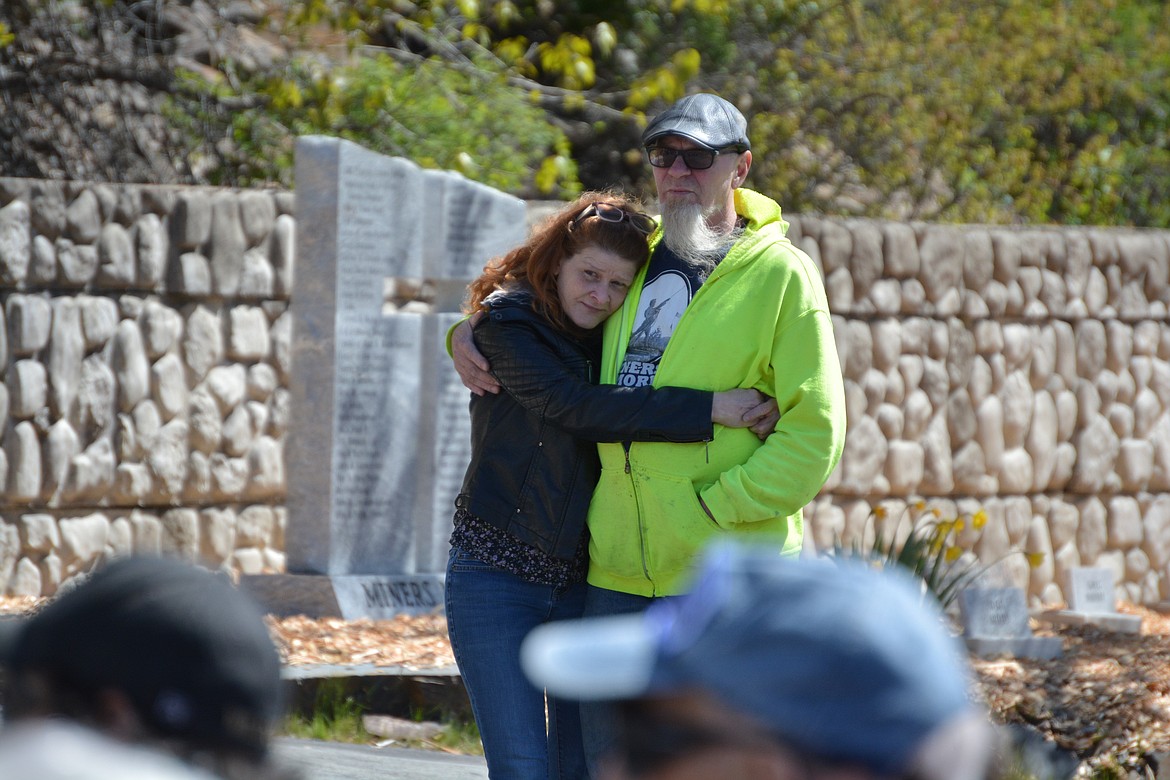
[607, 212]
[695, 159]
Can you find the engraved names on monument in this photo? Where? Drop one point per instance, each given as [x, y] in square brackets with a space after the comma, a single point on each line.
[381, 435]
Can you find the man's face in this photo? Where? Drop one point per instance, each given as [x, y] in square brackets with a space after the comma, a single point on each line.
[693, 737]
[710, 188]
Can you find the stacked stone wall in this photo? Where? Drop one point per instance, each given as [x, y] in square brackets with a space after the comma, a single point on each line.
[1019, 372]
[144, 353]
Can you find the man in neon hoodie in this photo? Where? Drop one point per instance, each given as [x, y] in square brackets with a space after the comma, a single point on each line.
[725, 301]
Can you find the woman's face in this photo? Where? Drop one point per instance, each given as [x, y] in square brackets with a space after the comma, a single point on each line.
[592, 284]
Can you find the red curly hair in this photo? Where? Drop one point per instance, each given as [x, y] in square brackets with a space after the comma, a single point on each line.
[537, 261]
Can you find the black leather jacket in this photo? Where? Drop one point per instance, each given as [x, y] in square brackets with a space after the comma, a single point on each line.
[534, 459]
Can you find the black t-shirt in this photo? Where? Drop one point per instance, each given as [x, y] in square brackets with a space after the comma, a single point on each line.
[670, 284]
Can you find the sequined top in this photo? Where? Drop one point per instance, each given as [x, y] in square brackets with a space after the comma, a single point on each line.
[500, 549]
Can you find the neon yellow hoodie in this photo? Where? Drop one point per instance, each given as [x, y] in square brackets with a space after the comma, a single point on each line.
[761, 320]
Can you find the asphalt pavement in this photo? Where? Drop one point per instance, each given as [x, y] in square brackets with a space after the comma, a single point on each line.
[317, 760]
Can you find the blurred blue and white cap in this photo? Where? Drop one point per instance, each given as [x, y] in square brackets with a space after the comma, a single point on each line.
[839, 660]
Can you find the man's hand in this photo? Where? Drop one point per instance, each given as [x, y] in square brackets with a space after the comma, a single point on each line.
[746, 409]
[762, 419]
[470, 364]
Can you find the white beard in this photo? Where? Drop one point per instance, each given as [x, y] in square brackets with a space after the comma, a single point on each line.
[686, 233]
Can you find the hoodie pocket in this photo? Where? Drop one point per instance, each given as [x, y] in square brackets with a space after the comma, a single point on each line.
[676, 526]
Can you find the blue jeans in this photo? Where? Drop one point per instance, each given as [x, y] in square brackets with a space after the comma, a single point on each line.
[597, 718]
[489, 612]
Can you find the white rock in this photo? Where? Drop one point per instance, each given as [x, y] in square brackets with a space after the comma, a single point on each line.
[1017, 472]
[199, 480]
[237, 432]
[257, 279]
[92, 472]
[62, 445]
[918, 415]
[168, 456]
[30, 319]
[1124, 523]
[170, 385]
[282, 410]
[230, 475]
[249, 334]
[38, 533]
[1040, 442]
[937, 476]
[206, 424]
[180, 535]
[147, 533]
[99, 319]
[78, 264]
[83, 539]
[281, 335]
[66, 351]
[133, 483]
[283, 254]
[26, 579]
[217, 535]
[131, 368]
[1156, 531]
[1137, 565]
[228, 244]
[1017, 398]
[161, 328]
[15, 242]
[28, 388]
[1097, 447]
[1135, 464]
[23, 448]
[121, 538]
[96, 397]
[203, 345]
[248, 561]
[43, 261]
[150, 239]
[228, 385]
[254, 526]
[52, 573]
[262, 381]
[116, 260]
[1093, 532]
[1063, 519]
[266, 463]
[147, 423]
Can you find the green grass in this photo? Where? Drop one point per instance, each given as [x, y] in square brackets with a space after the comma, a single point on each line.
[335, 715]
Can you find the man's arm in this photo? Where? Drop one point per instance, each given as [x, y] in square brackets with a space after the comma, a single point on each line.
[788, 470]
[473, 368]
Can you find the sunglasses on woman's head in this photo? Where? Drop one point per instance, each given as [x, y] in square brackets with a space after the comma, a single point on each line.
[695, 159]
[607, 212]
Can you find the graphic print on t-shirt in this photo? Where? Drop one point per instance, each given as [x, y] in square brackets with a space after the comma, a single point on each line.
[663, 300]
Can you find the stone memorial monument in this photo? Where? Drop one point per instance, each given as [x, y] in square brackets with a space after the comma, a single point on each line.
[381, 434]
[1092, 601]
[995, 622]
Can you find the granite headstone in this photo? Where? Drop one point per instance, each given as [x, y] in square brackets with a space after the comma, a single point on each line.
[381, 434]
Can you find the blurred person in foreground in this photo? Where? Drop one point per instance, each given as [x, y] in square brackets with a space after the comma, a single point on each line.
[774, 668]
[148, 668]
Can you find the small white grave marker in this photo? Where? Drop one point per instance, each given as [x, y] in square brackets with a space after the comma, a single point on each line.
[1091, 601]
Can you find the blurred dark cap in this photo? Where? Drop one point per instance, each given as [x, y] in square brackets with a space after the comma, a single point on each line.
[190, 651]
